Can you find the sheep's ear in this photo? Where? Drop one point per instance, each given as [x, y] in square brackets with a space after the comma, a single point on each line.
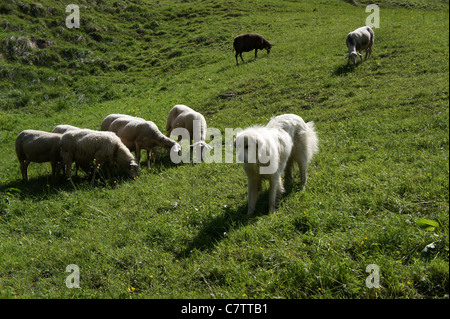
[359, 54]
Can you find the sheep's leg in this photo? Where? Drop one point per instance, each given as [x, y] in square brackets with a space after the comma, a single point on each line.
[138, 154]
[60, 168]
[368, 53]
[149, 153]
[54, 169]
[24, 169]
[256, 53]
[240, 54]
[68, 169]
[196, 152]
[94, 171]
[237, 61]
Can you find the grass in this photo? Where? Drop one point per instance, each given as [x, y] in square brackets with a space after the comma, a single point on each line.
[180, 231]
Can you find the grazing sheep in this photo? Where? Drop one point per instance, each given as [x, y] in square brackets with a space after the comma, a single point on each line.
[305, 142]
[103, 148]
[194, 122]
[138, 134]
[358, 40]
[112, 117]
[38, 146]
[264, 152]
[248, 42]
[63, 128]
[120, 120]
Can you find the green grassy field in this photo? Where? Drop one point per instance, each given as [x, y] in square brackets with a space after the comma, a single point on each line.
[377, 191]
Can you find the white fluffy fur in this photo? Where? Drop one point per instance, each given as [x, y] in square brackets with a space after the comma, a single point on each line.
[265, 152]
[306, 143]
[286, 139]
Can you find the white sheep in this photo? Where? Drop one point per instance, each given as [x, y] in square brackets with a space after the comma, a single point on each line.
[358, 40]
[63, 128]
[138, 134]
[38, 146]
[184, 117]
[112, 117]
[104, 149]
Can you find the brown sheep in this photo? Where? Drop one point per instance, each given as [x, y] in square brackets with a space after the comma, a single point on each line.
[248, 42]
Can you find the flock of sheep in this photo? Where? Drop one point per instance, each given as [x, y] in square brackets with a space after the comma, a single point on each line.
[109, 148]
[267, 152]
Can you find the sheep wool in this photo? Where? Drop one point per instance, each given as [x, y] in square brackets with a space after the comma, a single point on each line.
[103, 148]
[38, 146]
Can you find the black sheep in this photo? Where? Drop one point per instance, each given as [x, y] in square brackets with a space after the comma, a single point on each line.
[248, 42]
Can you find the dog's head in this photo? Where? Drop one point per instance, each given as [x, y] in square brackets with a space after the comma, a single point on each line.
[253, 147]
[247, 144]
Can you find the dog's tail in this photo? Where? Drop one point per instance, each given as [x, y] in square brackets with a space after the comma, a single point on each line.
[310, 140]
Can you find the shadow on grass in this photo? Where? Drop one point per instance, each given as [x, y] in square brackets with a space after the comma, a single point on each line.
[216, 229]
[41, 187]
[344, 69]
[38, 188]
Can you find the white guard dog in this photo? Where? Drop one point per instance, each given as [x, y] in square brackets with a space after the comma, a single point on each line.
[268, 152]
[305, 140]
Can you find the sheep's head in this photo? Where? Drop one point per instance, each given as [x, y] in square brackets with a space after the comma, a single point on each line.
[133, 169]
[352, 56]
[176, 148]
[268, 47]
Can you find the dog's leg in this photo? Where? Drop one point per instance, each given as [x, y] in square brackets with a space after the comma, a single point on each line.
[303, 165]
[301, 157]
[275, 191]
[288, 172]
[252, 194]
